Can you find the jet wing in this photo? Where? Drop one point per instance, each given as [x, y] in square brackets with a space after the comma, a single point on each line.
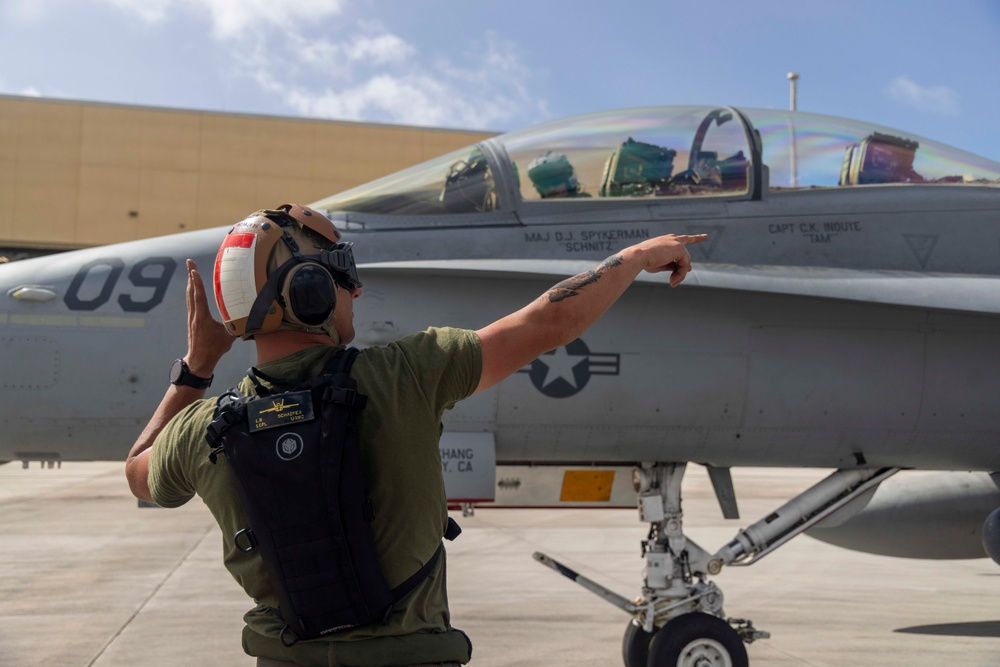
[939, 291]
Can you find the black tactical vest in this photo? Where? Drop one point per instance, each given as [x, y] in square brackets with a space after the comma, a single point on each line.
[296, 460]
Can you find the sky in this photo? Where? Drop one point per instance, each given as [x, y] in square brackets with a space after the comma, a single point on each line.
[929, 68]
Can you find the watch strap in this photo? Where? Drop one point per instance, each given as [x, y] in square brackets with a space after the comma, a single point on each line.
[188, 379]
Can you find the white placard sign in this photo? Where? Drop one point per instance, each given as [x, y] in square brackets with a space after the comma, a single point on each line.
[469, 464]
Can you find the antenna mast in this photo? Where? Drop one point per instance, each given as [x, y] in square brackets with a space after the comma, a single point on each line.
[793, 77]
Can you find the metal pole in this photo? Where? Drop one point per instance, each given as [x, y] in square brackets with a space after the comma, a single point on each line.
[792, 78]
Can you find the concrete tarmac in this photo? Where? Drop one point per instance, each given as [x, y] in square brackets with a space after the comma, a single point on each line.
[88, 579]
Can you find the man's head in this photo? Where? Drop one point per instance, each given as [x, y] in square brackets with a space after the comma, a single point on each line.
[281, 269]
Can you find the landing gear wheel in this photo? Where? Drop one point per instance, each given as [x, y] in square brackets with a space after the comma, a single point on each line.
[635, 645]
[697, 640]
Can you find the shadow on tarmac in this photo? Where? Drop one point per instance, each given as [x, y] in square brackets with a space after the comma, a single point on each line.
[971, 629]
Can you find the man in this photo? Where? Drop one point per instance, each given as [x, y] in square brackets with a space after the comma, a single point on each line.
[284, 279]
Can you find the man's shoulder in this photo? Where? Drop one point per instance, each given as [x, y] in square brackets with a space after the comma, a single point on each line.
[443, 364]
[432, 350]
[434, 339]
[187, 426]
[198, 413]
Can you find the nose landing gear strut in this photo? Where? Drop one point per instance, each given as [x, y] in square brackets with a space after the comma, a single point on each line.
[678, 620]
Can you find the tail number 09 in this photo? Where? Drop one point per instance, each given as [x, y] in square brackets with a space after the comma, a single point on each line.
[152, 272]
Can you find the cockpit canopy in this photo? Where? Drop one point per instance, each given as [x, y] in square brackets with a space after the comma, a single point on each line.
[663, 153]
[804, 150]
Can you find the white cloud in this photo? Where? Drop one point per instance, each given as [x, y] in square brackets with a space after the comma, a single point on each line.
[932, 99]
[413, 99]
[380, 49]
[357, 71]
[24, 11]
[27, 91]
[230, 18]
[149, 11]
[487, 90]
[339, 58]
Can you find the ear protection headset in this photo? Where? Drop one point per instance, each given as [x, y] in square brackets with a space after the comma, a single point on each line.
[305, 286]
[308, 294]
[264, 282]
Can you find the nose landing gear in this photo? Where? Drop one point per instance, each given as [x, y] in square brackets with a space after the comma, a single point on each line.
[682, 621]
[679, 621]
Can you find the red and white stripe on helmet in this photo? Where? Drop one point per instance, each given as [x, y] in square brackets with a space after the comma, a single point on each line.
[235, 283]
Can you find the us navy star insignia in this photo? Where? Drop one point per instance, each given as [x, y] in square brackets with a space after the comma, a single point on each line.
[559, 365]
[566, 370]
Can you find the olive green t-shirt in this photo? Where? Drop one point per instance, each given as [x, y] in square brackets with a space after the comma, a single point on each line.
[409, 384]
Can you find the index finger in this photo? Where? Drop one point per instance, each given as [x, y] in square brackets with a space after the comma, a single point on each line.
[189, 289]
[688, 239]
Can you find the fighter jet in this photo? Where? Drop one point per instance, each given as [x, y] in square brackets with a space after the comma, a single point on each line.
[844, 314]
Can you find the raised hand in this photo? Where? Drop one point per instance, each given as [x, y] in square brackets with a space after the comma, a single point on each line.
[208, 339]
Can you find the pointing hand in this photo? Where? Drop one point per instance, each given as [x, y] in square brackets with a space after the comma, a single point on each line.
[669, 253]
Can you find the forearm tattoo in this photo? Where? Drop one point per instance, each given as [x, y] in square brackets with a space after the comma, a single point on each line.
[572, 286]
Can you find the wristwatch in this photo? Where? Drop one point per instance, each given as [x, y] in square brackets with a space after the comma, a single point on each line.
[181, 375]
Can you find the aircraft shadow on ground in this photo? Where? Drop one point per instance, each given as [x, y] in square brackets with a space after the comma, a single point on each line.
[971, 629]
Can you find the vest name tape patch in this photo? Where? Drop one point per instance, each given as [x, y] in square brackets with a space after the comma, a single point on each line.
[290, 408]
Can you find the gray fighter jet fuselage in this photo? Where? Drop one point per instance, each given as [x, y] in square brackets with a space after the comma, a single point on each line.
[824, 324]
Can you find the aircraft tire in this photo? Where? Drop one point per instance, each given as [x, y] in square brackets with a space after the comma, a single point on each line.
[696, 639]
[635, 645]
